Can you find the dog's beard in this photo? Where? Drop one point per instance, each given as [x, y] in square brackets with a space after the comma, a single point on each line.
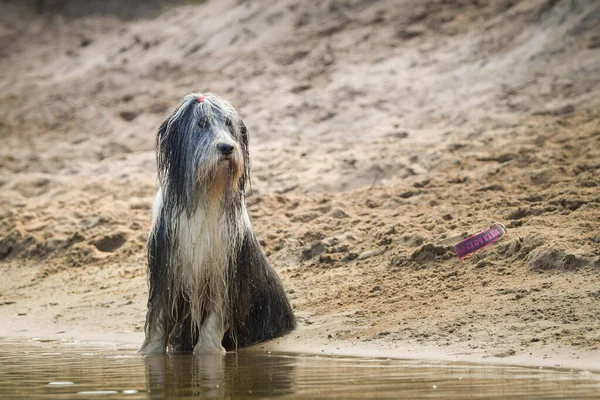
[224, 180]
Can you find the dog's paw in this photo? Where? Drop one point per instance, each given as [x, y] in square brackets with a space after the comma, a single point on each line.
[152, 348]
[202, 348]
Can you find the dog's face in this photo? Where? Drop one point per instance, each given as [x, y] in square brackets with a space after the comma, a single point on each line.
[202, 151]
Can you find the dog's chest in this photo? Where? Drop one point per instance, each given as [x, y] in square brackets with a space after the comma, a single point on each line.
[203, 246]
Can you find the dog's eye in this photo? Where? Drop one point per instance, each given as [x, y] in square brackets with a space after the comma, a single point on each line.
[203, 122]
[243, 129]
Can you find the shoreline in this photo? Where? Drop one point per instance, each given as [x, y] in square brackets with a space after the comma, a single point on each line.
[130, 341]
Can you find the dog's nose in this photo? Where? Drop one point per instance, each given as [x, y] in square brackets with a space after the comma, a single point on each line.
[225, 149]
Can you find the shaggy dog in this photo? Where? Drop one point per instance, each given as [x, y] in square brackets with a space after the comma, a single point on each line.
[210, 285]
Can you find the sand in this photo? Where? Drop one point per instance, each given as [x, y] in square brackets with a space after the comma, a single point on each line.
[381, 132]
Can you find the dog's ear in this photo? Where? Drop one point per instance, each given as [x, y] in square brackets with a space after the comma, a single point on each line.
[167, 135]
[244, 133]
[246, 153]
[171, 156]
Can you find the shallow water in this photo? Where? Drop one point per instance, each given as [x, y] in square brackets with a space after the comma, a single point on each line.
[62, 370]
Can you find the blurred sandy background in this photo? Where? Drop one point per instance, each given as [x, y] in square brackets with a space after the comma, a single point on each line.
[380, 131]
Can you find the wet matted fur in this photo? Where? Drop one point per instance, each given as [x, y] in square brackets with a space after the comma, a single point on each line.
[210, 285]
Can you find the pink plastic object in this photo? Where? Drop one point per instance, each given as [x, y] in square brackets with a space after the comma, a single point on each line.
[479, 241]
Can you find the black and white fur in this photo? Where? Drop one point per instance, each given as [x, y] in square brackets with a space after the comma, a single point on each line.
[210, 285]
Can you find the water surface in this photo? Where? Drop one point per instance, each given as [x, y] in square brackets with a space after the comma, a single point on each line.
[63, 370]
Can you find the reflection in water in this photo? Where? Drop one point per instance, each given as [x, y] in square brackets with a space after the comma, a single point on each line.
[217, 376]
[35, 370]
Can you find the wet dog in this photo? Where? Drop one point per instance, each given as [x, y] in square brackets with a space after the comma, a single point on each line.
[210, 285]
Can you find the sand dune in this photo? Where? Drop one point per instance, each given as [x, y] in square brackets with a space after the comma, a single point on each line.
[380, 133]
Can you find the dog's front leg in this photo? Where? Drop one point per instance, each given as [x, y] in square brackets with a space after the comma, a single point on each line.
[157, 333]
[211, 334]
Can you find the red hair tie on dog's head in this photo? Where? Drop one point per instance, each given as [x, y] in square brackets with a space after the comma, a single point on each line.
[200, 99]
